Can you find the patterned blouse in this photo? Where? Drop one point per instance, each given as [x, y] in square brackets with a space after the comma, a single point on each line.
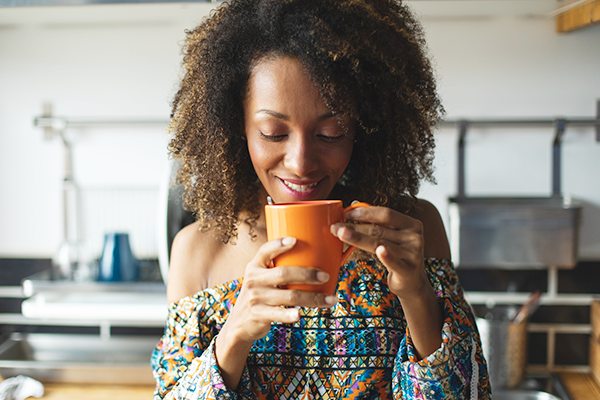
[358, 349]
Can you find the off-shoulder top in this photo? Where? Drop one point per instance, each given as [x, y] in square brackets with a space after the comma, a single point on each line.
[359, 349]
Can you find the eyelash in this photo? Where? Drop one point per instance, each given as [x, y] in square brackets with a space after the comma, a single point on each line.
[331, 139]
[272, 138]
[277, 138]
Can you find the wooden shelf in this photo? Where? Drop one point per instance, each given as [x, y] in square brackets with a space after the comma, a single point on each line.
[581, 16]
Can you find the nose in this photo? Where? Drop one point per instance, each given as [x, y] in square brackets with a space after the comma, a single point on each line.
[301, 155]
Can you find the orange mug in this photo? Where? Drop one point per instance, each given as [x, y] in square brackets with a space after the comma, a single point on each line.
[310, 223]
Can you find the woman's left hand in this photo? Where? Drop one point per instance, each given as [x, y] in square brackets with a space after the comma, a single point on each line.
[396, 239]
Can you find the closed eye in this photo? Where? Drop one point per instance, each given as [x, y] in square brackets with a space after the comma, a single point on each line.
[273, 138]
[331, 139]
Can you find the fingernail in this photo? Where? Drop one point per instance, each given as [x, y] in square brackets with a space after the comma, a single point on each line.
[344, 234]
[355, 201]
[294, 313]
[331, 300]
[288, 241]
[333, 229]
[322, 276]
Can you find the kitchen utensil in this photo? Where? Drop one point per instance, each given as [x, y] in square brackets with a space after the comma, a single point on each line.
[528, 308]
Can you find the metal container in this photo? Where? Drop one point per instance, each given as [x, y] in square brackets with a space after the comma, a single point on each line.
[504, 345]
[71, 358]
[514, 232]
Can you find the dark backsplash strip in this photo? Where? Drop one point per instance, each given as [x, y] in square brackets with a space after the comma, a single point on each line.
[561, 315]
[500, 280]
[584, 278]
[548, 314]
[14, 270]
[10, 305]
[136, 331]
[92, 330]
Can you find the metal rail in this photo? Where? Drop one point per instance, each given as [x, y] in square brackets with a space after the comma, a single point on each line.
[52, 124]
[560, 125]
[61, 123]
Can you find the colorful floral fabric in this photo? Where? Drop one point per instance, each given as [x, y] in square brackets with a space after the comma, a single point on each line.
[358, 349]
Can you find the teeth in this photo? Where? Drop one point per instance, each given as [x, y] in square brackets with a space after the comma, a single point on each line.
[299, 188]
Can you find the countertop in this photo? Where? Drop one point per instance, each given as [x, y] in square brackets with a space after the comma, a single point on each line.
[581, 386]
[69, 391]
[61, 391]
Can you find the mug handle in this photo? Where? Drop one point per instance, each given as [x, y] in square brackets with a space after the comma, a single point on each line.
[350, 249]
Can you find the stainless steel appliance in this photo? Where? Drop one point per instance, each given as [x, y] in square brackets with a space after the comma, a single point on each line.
[514, 232]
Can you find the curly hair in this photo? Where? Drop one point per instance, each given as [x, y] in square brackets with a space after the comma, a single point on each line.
[368, 59]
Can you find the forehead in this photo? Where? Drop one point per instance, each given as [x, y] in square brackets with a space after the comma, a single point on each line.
[281, 79]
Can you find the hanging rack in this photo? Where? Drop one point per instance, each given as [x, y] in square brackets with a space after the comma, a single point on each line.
[61, 123]
[559, 124]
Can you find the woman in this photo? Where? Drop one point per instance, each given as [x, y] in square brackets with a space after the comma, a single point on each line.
[303, 100]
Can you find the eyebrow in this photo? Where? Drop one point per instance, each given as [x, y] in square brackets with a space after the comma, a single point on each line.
[287, 118]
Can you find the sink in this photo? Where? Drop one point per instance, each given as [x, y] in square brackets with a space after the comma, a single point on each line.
[536, 386]
[76, 358]
[523, 395]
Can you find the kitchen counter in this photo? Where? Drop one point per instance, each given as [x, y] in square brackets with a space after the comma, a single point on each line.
[581, 386]
[64, 391]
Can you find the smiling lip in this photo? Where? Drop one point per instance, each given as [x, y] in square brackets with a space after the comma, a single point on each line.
[300, 190]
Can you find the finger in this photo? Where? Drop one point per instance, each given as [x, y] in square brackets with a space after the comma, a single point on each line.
[383, 254]
[293, 274]
[373, 230]
[272, 249]
[277, 314]
[351, 236]
[398, 257]
[380, 215]
[298, 298]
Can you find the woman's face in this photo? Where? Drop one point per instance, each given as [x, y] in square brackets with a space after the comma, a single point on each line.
[297, 148]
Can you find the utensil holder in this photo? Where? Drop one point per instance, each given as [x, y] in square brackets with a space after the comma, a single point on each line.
[504, 345]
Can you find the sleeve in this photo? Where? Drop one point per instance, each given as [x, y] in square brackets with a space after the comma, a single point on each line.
[184, 363]
[457, 370]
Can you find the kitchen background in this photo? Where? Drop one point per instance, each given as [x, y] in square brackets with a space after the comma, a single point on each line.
[494, 59]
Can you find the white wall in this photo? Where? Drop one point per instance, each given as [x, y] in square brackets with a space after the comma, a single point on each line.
[118, 61]
[505, 60]
[494, 59]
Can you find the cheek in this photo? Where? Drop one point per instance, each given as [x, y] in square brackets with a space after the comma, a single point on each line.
[261, 157]
[340, 159]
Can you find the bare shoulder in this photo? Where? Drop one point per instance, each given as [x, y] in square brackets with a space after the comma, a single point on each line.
[190, 265]
[436, 241]
[200, 260]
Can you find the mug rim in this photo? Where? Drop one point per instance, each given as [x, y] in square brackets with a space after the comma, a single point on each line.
[306, 203]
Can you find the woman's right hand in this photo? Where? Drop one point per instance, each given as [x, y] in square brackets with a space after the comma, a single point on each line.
[260, 302]
[261, 297]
